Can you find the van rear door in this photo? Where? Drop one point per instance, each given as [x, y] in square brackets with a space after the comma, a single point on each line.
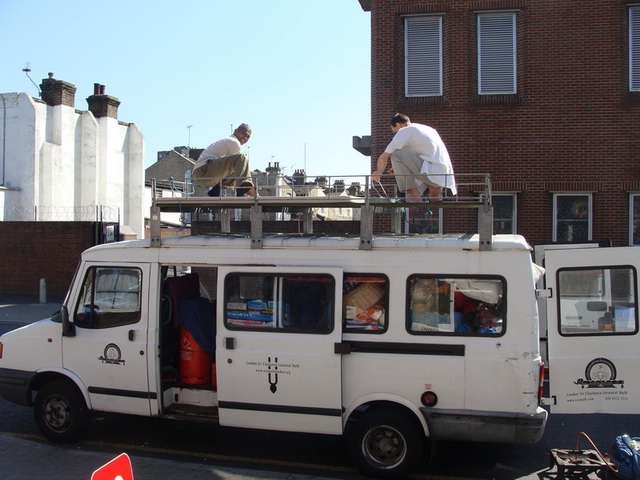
[277, 365]
[593, 330]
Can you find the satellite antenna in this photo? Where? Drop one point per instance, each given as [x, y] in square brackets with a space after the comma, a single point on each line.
[26, 70]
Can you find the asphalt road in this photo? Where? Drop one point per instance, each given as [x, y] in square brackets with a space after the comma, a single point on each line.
[317, 454]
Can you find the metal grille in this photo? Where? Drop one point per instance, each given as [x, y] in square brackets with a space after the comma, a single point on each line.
[46, 213]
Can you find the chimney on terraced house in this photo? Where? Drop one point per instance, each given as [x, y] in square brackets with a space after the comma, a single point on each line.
[56, 92]
[102, 105]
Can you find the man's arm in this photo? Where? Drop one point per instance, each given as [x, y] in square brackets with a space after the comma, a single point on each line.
[383, 159]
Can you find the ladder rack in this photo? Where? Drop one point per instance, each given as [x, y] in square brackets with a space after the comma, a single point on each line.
[478, 191]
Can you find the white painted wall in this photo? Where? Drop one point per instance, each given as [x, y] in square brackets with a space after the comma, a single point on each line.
[62, 163]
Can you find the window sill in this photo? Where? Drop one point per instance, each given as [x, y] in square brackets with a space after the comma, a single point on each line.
[510, 99]
[631, 98]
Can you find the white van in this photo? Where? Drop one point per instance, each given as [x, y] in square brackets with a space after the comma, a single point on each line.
[390, 340]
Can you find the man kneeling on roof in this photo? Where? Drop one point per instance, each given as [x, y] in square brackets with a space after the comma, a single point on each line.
[221, 165]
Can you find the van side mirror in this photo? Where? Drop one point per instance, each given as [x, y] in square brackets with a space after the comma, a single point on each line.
[68, 328]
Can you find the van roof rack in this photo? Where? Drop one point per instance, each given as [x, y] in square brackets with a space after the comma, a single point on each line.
[278, 193]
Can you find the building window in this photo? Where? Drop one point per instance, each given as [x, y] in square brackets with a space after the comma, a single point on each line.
[497, 53]
[423, 221]
[423, 56]
[634, 220]
[504, 213]
[571, 217]
[634, 49]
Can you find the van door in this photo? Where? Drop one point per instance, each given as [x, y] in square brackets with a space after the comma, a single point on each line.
[277, 365]
[593, 330]
[109, 352]
[539, 258]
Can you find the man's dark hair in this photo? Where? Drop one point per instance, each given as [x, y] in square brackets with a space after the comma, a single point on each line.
[244, 126]
[399, 118]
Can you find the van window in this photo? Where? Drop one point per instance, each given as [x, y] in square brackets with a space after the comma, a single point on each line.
[597, 301]
[364, 303]
[290, 302]
[456, 305]
[110, 297]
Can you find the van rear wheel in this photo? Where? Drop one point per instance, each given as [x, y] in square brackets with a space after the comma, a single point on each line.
[386, 444]
[61, 412]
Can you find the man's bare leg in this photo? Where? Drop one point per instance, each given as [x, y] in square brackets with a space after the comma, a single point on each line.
[435, 193]
[413, 195]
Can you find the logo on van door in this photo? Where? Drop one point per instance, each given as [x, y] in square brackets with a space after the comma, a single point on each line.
[274, 370]
[273, 375]
[600, 373]
[112, 355]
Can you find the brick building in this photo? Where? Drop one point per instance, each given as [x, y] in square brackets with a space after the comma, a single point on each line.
[544, 95]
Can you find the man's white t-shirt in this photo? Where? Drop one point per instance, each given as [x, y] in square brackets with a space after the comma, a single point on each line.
[425, 142]
[219, 148]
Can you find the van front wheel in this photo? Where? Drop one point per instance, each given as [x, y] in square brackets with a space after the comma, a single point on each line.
[61, 412]
[386, 444]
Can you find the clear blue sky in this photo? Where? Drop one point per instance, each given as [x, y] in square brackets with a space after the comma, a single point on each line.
[298, 71]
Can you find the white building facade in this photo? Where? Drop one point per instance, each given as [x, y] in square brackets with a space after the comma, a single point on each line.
[62, 164]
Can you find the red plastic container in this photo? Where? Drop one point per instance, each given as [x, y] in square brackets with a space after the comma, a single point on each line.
[195, 363]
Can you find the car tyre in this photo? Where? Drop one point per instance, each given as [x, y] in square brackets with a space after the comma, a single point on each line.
[386, 444]
[61, 412]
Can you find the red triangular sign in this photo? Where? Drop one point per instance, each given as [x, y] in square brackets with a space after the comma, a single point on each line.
[117, 469]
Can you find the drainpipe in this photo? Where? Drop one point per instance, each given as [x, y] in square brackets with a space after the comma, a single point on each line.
[4, 139]
[188, 192]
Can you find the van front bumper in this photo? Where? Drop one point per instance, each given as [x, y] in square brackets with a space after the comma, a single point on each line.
[15, 386]
[481, 426]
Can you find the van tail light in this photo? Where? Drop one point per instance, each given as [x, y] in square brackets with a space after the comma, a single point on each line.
[0, 350]
[541, 386]
[429, 399]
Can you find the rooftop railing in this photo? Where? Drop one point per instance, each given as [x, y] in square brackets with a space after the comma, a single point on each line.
[279, 193]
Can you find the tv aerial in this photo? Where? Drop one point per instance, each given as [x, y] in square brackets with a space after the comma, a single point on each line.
[26, 70]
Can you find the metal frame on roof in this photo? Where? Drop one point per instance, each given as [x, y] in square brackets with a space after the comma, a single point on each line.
[369, 203]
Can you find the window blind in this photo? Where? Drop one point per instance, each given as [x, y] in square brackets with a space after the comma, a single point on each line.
[634, 49]
[423, 56]
[496, 53]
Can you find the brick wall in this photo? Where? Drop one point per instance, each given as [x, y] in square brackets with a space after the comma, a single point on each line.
[572, 127]
[34, 250]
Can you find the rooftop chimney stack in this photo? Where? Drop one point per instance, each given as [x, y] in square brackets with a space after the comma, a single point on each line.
[273, 170]
[56, 92]
[102, 105]
[299, 177]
